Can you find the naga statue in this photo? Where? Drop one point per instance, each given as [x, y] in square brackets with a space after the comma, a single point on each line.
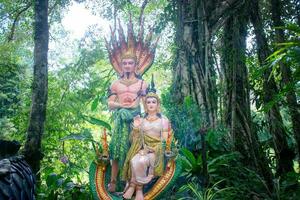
[17, 180]
[141, 156]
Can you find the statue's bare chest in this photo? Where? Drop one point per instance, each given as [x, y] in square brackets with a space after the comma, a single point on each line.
[129, 88]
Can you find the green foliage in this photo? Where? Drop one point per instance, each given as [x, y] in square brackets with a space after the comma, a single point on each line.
[200, 193]
[256, 79]
[7, 128]
[186, 121]
[98, 122]
[14, 92]
[219, 140]
[10, 76]
[287, 187]
[191, 165]
[225, 170]
[77, 109]
[72, 124]
[85, 136]
[60, 186]
[288, 52]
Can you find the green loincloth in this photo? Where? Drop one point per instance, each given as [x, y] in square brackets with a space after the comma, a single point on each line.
[119, 144]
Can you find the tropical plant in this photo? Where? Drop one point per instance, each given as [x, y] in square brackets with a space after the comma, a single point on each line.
[186, 121]
[61, 186]
[289, 50]
[191, 165]
[199, 193]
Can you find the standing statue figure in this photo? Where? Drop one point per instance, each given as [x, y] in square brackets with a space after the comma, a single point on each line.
[130, 59]
[145, 158]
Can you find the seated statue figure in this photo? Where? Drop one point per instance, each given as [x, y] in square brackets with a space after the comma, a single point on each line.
[145, 158]
[150, 163]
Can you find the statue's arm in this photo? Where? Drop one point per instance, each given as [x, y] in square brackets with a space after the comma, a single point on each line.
[113, 104]
[144, 89]
[136, 125]
[112, 101]
[166, 126]
[143, 92]
[134, 134]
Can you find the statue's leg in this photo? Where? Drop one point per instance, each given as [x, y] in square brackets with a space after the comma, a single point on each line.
[113, 178]
[131, 186]
[143, 167]
[139, 193]
[129, 190]
[152, 158]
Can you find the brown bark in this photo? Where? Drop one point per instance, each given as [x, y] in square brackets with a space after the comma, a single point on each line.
[297, 7]
[194, 74]
[32, 150]
[273, 116]
[287, 78]
[237, 91]
[238, 105]
[186, 71]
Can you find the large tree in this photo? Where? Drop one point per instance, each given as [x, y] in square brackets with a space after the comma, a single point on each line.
[238, 116]
[32, 150]
[286, 73]
[194, 73]
[270, 90]
[194, 70]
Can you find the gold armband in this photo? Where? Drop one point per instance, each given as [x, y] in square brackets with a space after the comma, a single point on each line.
[134, 128]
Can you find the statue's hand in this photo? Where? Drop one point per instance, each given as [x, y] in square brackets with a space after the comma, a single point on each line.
[126, 105]
[132, 104]
[137, 121]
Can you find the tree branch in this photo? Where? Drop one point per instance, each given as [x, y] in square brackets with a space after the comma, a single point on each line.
[52, 7]
[13, 28]
[115, 16]
[222, 11]
[142, 10]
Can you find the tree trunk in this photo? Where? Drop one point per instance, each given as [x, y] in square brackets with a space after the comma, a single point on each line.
[237, 89]
[287, 77]
[238, 117]
[298, 12]
[273, 116]
[32, 150]
[194, 74]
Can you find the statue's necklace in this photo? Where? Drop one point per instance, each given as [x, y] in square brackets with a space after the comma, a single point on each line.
[129, 82]
[150, 119]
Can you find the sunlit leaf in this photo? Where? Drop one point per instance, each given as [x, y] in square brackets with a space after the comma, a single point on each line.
[99, 122]
[189, 156]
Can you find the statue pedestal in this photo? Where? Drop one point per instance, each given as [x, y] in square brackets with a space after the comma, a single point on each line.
[98, 184]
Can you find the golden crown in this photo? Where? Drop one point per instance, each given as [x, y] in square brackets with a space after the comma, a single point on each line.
[151, 90]
[141, 51]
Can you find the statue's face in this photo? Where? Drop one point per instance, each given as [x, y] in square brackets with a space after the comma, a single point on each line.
[152, 104]
[128, 65]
